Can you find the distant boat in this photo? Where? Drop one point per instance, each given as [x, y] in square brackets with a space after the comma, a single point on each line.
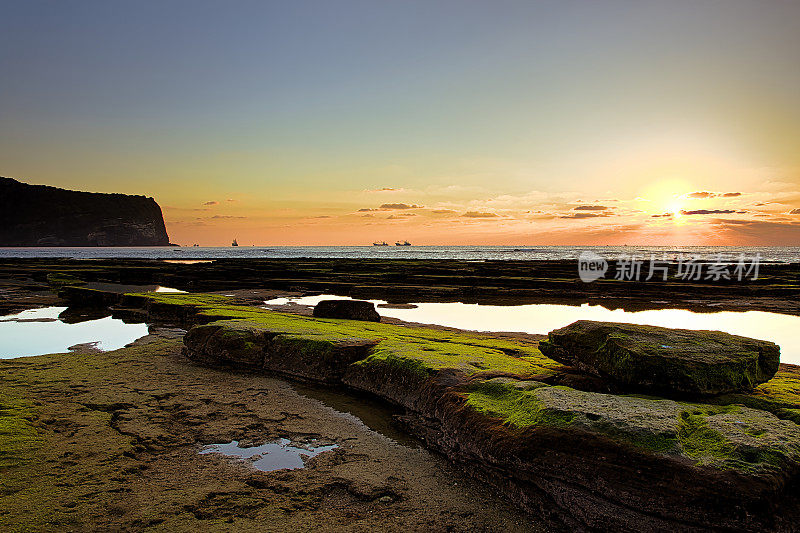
[195, 244]
[404, 243]
[234, 243]
[382, 243]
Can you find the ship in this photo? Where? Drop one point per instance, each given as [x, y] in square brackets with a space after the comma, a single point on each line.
[404, 243]
[382, 243]
[234, 243]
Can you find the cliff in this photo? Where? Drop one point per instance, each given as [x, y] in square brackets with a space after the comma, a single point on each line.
[39, 215]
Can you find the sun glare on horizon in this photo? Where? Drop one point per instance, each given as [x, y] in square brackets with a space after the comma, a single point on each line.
[666, 196]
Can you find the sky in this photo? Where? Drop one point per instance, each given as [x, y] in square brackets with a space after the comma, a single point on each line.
[339, 122]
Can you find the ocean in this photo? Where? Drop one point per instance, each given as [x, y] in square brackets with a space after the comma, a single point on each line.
[783, 254]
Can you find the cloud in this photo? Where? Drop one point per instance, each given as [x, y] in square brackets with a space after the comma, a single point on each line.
[709, 212]
[759, 231]
[323, 216]
[665, 215]
[584, 215]
[401, 206]
[591, 208]
[479, 214]
[794, 212]
[226, 216]
[385, 189]
[400, 215]
[706, 194]
[365, 209]
[230, 200]
[212, 202]
[442, 211]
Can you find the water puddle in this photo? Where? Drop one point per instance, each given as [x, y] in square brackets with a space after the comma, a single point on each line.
[159, 288]
[279, 455]
[543, 318]
[51, 330]
[373, 414]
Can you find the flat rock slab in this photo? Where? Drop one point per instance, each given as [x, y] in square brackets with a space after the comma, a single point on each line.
[349, 309]
[663, 360]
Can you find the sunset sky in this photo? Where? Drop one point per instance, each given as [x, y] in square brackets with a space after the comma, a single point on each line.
[441, 122]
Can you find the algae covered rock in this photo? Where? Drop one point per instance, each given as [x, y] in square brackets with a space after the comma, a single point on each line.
[730, 437]
[663, 360]
[350, 309]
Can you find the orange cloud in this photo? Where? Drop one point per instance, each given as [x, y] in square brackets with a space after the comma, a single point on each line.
[706, 194]
[479, 214]
[585, 215]
[591, 208]
[401, 206]
[710, 212]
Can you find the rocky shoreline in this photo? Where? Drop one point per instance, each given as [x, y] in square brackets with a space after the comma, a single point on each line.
[541, 432]
[406, 281]
[570, 448]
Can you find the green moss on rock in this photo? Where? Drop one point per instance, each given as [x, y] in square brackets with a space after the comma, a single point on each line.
[719, 436]
[56, 280]
[780, 395]
[727, 436]
[421, 350]
[662, 360]
[515, 405]
[701, 442]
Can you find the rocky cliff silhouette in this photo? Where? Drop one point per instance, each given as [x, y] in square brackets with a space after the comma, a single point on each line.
[39, 215]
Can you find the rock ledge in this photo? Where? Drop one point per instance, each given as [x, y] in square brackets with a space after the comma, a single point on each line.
[666, 361]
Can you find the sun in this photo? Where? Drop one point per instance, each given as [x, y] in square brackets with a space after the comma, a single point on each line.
[675, 209]
[666, 196]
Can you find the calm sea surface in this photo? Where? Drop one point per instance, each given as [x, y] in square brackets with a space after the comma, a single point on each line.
[470, 253]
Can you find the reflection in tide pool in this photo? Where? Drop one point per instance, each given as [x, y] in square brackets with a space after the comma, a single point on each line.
[272, 455]
[167, 289]
[39, 331]
[543, 318]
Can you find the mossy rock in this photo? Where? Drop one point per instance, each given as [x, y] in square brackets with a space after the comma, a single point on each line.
[422, 350]
[662, 360]
[725, 437]
[242, 346]
[780, 395]
[728, 437]
[56, 280]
